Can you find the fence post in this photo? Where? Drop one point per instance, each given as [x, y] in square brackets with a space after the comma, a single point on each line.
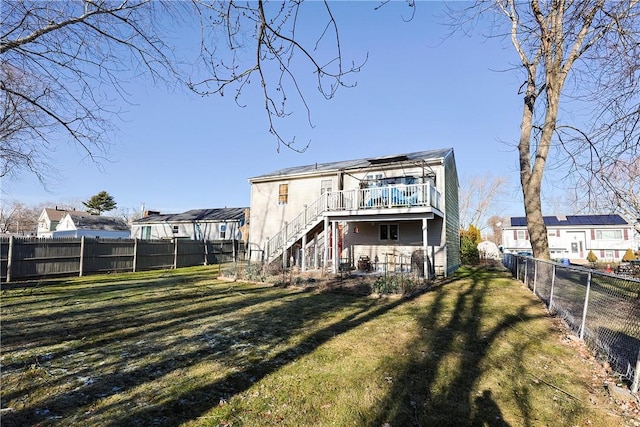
[175, 253]
[284, 258]
[135, 254]
[81, 255]
[233, 249]
[535, 275]
[636, 377]
[586, 305]
[553, 282]
[10, 258]
[206, 252]
[526, 267]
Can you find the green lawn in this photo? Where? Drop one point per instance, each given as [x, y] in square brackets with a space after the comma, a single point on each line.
[183, 348]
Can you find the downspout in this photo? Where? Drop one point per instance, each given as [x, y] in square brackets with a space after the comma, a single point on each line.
[444, 210]
[326, 243]
[425, 249]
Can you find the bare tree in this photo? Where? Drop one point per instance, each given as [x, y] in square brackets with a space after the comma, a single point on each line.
[63, 64]
[274, 38]
[595, 46]
[130, 214]
[618, 186]
[478, 199]
[18, 218]
[496, 223]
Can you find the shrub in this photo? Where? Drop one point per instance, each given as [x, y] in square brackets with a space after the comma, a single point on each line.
[628, 256]
[469, 240]
[396, 284]
[591, 257]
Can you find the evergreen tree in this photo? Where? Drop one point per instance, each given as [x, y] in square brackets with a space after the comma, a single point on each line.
[101, 202]
[469, 240]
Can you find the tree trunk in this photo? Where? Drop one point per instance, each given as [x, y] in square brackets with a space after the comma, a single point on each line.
[535, 221]
[531, 178]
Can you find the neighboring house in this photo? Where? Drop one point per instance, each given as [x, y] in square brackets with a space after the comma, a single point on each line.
[383, 213]
[196, 224]
[573, 236]
[50, 218]
[75, 224]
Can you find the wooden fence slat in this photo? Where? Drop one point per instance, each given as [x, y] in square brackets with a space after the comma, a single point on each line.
[29, 258]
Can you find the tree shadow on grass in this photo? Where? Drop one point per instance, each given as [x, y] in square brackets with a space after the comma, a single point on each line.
[277, 318]
[273, 316]
[92, 331]
[433, 390]
[194, 403]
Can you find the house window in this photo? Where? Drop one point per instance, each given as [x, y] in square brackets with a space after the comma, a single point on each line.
[522, 235]
[608, 234]
[325, 186]
[388, 231]
[223, 231]
[175, 229]
[283, 194]
[608, 255]
[146, 232]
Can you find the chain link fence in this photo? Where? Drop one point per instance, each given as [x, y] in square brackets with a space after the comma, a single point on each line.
[602, 309]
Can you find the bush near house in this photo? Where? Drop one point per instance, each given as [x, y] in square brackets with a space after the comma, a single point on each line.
[628, 256]
[469, 239]
[591, 257]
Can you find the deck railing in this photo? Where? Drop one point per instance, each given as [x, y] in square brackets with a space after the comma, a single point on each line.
[392, 196]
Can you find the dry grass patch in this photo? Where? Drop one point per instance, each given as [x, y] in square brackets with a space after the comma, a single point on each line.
[183, 348]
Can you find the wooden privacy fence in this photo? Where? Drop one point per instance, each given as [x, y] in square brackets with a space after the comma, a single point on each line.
[29, 258]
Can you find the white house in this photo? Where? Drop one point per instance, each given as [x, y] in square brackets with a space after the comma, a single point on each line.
[573, 236]
[50, 218]
[196, 224]
[396, 212]
[84, 224]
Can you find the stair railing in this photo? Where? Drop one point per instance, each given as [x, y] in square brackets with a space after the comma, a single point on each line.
[376, 198]
[292, 229]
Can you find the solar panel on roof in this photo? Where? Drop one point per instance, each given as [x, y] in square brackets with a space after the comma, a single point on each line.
[518, 221]
[550, 220]
[595, 220]
[575, 220]
[387, 159]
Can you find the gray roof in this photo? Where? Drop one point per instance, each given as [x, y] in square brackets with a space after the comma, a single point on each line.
[97, 222]
[429, 155]
[573, 220]
[57, 214]
[197, 215]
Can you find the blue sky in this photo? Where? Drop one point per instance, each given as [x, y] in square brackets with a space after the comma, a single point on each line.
[419, 90]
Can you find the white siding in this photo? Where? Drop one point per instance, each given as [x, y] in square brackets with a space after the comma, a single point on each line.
[208, 230]
[66, 223]
[268, 216]
[560, 246]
